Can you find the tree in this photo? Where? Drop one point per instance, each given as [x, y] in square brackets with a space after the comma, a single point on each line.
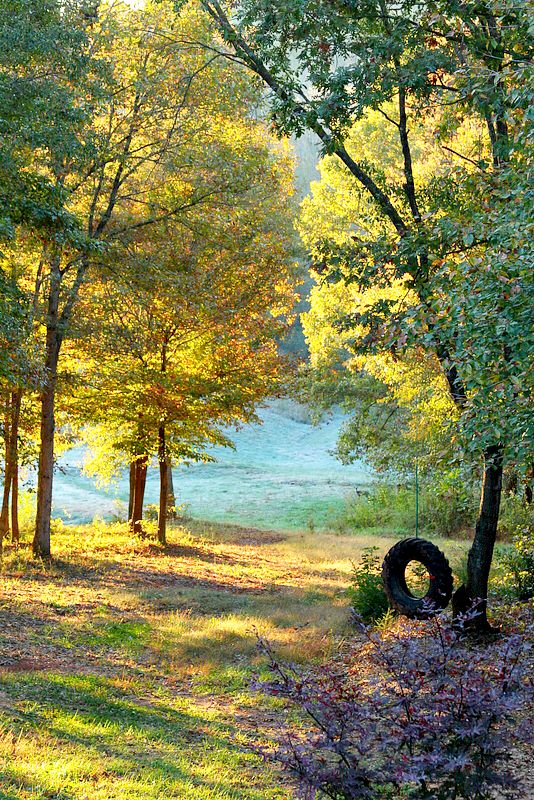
[143, 93]
[141, 132]
[188, 317]
[397, 400]
[41, 54]
[327, 65]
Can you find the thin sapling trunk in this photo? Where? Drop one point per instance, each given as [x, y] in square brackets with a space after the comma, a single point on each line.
[4, 512]
[41, 540]
[16, 400]
[163, 486]
[171, 497]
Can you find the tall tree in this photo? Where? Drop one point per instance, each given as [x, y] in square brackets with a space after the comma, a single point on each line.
[188, 314]
[327, 65]
[145, 101]
[117, 153]
[41, 54]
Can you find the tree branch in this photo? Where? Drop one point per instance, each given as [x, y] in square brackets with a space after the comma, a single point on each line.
[332, 144]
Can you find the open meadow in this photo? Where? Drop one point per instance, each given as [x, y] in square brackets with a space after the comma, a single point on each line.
[125, 667]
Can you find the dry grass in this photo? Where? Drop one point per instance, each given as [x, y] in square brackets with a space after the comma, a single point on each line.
[125, 668]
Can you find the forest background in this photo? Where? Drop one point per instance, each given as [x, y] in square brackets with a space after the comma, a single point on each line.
[156, 263]
[149, 253]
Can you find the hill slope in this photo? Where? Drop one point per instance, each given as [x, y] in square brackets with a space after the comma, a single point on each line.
[281, 474]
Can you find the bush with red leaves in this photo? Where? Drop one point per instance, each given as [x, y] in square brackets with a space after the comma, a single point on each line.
[421, 712]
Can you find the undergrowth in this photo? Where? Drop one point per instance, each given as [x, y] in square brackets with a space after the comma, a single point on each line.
[414, 712]
[446, 508]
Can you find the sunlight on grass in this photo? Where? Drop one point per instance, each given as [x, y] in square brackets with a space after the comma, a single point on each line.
[116, 746]
[128, 666]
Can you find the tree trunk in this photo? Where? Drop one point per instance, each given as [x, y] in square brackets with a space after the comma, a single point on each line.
[11, 433]
[136, 518]
[132, 489]
[475, 593]
[45, 477]
[528, 485]
[171, 497]
[4, 512]
[15, 529]
[41, 540]
[163, 486]
[16, 400]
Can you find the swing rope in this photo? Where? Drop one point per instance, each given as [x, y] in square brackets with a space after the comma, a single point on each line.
[440, 584]
[416, 498]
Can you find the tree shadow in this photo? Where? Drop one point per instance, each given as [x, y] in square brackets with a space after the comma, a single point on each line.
[126, 734]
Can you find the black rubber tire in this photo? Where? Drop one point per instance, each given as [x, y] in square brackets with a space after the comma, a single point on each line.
[394, 578]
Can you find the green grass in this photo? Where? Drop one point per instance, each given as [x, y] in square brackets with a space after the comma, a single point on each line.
[125, 668]
[86, 736]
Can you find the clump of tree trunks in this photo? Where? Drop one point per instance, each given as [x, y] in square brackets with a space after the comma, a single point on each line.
[145, 211]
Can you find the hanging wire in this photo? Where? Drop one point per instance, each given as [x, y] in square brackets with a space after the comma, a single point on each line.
[417, 453]
[416, 498]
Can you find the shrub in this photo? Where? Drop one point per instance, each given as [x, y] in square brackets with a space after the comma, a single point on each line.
[366, 593]
[384, 506]
[416, 713]
[448, 505]
[27, 506]
[517, 576]
[151, 512]
[516, 517]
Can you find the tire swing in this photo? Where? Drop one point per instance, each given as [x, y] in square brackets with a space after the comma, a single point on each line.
[440, 584]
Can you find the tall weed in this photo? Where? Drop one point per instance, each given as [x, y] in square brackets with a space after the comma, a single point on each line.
[448, 506]
[366, 593]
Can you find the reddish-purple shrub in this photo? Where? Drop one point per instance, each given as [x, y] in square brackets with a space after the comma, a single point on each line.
[421, 712]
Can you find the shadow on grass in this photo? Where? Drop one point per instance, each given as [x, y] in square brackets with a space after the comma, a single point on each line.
[196, 553]
[96, 573]
[124, 738]
[222, 645]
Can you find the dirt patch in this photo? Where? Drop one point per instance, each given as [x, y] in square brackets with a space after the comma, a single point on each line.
[26, 664]
[232, 534]
[255, 536]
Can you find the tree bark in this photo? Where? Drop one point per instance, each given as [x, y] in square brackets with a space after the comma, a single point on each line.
[136, 519]
[132, 489]
[474, 595]
[163, 463]
[41, 540]
[15, 528]
[163, 486]
[16, 400]
[4, 512]
[171, 497]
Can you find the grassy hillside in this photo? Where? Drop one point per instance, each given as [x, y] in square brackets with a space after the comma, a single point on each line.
[282, 474]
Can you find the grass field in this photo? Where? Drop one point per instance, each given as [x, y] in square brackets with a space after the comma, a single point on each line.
[282, 474]
[125, 669]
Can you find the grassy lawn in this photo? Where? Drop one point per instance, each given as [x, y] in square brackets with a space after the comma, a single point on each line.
[125, 668]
